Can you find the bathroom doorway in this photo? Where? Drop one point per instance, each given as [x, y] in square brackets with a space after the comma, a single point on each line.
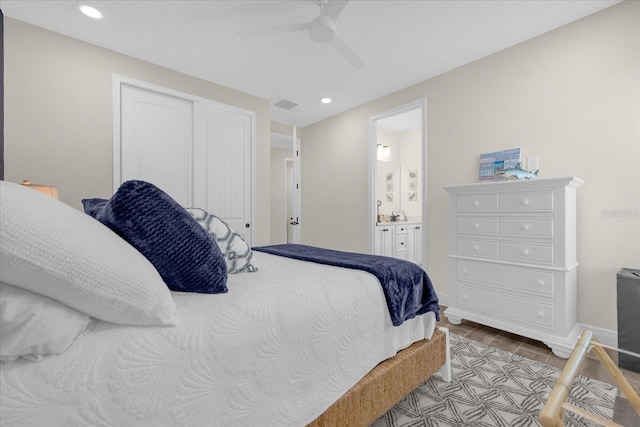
[398, 180]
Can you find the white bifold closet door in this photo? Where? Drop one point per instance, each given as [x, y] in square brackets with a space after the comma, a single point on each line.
[197, 152]
[222, 163]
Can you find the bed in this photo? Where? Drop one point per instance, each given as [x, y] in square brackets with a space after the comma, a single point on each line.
[288, 343]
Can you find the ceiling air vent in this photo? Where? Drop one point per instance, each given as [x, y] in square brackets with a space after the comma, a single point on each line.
[287, 105]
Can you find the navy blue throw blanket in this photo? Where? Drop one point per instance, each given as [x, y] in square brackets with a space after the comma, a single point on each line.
[407, 288]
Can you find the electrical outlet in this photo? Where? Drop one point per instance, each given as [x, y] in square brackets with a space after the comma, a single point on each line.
[532, 163]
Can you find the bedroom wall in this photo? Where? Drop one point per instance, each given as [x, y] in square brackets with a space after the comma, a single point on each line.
[570, 96]
[59, 114]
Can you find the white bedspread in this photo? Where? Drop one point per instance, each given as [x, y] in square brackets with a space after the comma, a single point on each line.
[277, 350]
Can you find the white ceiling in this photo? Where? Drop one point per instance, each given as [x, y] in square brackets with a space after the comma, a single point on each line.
[402, 42]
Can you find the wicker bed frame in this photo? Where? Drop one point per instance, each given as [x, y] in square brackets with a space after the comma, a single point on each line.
[387, 383]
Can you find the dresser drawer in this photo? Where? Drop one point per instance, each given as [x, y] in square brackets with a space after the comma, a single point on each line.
[526, 227]
[479, 248]
[477, 225]
[542, 254]
[526, 201]
[401, 241]
[402, 229]
[513, 278]
[477, 203]
[533, 313]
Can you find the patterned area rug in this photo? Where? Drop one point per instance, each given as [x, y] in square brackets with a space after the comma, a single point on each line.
[492, 387]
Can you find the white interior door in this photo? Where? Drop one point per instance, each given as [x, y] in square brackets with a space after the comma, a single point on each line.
[223, 165]
[156, 141]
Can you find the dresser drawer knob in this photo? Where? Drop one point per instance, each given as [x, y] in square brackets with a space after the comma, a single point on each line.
[540, 282]
[465, 271]
[525, 202]
[476, 225]
[525, 252]
[476, 203]
[476, 248]
[465, 297]
[525, 227]
[540, 314]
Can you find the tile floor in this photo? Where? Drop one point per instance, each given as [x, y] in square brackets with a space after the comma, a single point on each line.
[536, 350]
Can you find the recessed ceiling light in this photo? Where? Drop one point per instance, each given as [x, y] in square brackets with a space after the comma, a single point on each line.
[325, 100]
[91, 12]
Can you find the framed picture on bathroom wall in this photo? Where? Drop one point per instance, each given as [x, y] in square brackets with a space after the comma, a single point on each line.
[388, 186]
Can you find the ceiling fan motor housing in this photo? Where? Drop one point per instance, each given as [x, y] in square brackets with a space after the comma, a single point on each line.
[322, 29]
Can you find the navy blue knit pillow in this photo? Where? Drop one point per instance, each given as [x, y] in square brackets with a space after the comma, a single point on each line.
[186, 256]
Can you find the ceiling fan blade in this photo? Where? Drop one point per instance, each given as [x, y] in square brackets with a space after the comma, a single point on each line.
[274, 30]
[346, 51]
[333, 8]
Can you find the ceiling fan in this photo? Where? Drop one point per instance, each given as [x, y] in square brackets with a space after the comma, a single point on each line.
[321, 30]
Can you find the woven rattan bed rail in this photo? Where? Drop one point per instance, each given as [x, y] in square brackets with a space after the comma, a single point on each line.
[386, 384]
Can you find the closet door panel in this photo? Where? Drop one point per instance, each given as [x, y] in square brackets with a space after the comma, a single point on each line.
[223, 167]
[156, 141]
[198, 151]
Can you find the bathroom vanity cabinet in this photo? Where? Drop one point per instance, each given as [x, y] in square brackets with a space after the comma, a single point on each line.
[400, 239]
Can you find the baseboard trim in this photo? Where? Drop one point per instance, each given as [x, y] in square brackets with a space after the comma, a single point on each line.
[605, 336]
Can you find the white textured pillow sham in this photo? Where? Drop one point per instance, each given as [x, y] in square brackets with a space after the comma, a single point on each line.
[234, 248]
[52, 249]
[33, 326]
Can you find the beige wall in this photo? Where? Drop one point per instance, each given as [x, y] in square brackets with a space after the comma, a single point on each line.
[570, 96]
[281, 128]
[59, 114]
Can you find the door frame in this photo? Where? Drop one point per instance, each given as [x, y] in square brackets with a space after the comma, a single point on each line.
[420, 103]
[119, 80]
[288, 187]
[292, 143]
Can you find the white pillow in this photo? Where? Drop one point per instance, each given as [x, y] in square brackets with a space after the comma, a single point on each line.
[52, 249]
[237, 253]
[33, 326]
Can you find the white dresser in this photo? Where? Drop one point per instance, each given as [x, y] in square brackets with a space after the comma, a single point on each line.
[513, 258]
